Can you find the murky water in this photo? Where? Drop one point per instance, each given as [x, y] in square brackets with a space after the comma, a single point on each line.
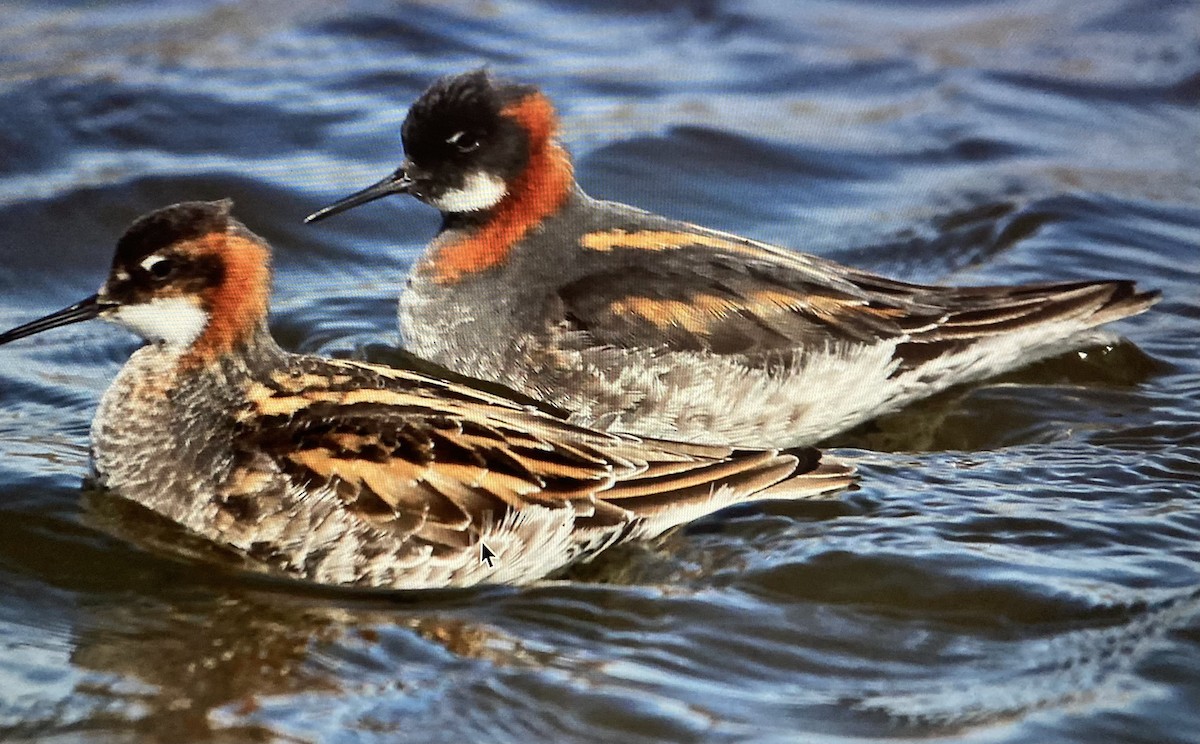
[1021, 561]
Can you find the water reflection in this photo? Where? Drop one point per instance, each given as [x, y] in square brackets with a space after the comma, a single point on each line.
[1090, 664]
[240, 664]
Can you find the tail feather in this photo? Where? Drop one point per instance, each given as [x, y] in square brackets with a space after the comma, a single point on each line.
[974, 314]
[746, 475]
[985, 311]
[1124, 303]
[824, 476]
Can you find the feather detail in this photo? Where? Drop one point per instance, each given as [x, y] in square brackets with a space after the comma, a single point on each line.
[431, 472]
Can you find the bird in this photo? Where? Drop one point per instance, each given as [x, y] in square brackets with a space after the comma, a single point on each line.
[349, 473]
[636, 322]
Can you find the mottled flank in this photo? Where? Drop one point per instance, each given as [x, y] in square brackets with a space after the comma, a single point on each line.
[349, 473]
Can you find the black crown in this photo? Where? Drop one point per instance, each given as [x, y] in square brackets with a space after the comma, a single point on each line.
[169, 225]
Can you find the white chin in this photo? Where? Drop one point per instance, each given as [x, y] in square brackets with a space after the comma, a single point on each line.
[480, 191]
[174, 321]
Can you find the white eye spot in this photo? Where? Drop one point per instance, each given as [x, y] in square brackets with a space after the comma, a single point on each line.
[462, 142]
[480, 191]
[149, 263]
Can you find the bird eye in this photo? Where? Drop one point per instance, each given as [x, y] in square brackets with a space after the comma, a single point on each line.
[158, 267]
[462, 142]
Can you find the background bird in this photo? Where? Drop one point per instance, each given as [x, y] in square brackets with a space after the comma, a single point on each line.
[639, 323]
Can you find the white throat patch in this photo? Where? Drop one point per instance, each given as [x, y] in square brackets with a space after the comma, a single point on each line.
[480, 191]
[174, 321]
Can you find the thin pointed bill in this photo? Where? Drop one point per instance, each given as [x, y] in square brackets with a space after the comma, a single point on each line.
[397, 183]
[77, 313]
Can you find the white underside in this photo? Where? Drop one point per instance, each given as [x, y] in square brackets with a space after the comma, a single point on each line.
[174, 321]
[825, 393]
[480, 191]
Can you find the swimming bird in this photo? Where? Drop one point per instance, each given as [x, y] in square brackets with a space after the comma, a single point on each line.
[344, 472]
[639, 323]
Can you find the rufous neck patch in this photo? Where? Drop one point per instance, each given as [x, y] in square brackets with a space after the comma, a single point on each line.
[238, 304]
[537, 193]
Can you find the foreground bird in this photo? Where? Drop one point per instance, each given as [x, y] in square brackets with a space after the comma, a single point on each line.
[635, 322]
[351, 473]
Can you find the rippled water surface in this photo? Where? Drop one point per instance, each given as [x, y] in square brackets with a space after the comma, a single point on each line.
[1021, 563]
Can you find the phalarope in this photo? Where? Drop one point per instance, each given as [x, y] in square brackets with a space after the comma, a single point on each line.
[350, 473]
[639, 323]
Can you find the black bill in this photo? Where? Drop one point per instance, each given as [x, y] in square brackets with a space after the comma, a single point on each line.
[397, 183]
[77, 313]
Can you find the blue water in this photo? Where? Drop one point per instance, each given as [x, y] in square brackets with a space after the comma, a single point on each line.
[1020, 563]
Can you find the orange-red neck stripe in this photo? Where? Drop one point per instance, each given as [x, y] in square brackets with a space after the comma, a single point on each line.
[238, 305]
[537, 193]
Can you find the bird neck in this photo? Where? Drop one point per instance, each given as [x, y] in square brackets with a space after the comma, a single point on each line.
[483, 241]
[237, 306]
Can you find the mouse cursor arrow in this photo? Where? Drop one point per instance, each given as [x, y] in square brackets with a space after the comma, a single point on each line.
[485, 554]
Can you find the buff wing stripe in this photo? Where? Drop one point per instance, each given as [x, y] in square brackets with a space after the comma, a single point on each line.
[438, 471]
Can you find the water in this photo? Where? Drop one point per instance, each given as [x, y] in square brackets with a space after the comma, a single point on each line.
[1020, 563]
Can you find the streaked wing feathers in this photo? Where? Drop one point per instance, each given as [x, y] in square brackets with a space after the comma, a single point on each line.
[690, 289]
[437, 463]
